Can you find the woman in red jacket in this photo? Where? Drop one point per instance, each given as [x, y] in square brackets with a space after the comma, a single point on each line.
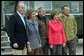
[56, 34]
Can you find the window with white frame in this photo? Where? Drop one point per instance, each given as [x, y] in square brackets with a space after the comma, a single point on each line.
[46, 4]
[26, 4]
[75, 7]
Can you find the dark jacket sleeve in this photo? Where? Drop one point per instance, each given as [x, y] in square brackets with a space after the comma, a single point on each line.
[12, 29]
[27, 30]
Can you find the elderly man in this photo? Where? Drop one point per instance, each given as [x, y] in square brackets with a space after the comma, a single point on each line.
[17, 31]
[42, 20]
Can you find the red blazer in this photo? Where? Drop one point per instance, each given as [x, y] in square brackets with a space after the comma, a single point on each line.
[56, 34]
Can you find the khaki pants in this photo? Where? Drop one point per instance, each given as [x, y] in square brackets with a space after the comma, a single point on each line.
[20, 52]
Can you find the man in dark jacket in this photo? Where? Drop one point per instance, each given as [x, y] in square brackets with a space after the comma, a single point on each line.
[42, 20]
[17, 31]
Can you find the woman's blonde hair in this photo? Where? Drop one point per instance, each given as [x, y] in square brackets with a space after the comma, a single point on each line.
[29, 12]
[54, 12]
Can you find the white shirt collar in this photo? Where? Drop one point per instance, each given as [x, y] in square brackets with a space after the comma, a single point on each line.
[19, 14]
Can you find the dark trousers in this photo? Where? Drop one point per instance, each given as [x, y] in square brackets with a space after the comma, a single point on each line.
[45, 46]
[71, 45]
[56, 50]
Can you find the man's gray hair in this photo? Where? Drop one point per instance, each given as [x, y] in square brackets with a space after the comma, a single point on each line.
[39, 9]
[21, 3]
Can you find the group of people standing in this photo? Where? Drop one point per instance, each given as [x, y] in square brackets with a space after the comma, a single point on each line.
[32, 34]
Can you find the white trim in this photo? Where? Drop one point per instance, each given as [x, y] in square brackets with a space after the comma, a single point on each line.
[34, 5]
[77, 13]
[72, 14]
[28, 5]
[51, 5]
[49, 14]
[9, 14]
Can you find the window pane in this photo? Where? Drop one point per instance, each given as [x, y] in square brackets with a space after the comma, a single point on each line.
[9, 6]
[75, 7]
[46, 4]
